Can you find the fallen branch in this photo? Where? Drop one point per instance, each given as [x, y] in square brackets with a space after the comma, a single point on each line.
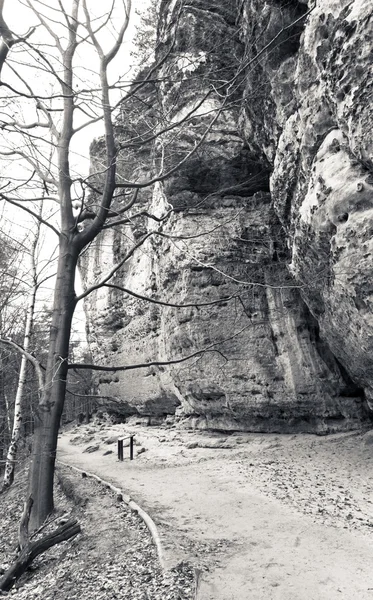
[65, 532]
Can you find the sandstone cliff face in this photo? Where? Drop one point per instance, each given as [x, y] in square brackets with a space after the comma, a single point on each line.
[269, 245]
[327, 147]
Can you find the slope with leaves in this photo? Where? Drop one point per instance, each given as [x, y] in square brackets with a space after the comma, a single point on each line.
[113, 556]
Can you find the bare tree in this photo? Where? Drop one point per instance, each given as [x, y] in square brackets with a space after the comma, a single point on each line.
[67, 108]
[59, 94]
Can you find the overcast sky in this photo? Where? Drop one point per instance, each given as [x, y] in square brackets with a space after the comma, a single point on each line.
[20, 18]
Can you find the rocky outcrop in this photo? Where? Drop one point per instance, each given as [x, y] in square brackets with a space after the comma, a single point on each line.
[265, 261]
[327, 146]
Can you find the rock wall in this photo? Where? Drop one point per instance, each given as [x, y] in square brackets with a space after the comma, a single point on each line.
[266, 258]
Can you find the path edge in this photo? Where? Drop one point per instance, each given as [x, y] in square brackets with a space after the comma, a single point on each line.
[153, 529]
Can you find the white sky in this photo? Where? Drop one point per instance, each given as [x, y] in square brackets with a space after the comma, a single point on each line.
[20, 18]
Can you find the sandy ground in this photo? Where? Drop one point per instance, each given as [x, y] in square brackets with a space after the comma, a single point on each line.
[265, 517]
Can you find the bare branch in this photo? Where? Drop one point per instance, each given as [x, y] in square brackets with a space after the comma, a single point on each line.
[7, 38]
[19, 125]
[143, 213]
[64, 532]
[158, 363]
[107, 277]
[30, 358]
[223, 299]
[92, 34]
[88, 214]
[230, 277]
[30, 212]
[18, 93]
[270, 44]
[34, 165]
[162, 177]
[132, 143]
[46, 26]
[114, 50]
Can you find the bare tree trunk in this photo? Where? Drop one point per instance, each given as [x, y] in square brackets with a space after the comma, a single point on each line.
[50, 409]
[7, 410]
[7, 420]
[18, 404]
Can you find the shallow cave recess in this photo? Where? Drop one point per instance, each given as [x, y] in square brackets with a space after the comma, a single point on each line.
[350, 389]
[200, 182]
[286, 31]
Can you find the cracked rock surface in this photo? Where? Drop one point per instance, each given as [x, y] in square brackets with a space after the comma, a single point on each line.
[272, 223]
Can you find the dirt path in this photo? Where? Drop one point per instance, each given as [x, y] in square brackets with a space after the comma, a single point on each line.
[210, 508]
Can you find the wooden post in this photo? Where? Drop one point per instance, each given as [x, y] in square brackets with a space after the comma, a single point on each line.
[120, 449]
[131, 447]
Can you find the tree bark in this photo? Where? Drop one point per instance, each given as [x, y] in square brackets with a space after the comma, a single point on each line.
[23, 534]
[47, 420]
[51, 404]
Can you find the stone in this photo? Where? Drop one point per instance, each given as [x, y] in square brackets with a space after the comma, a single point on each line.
[368, 438]
[111, 440]
[90, 449]
[191, 445]
[271, 222]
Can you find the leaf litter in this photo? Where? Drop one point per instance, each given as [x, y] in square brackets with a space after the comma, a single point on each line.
[114, 557]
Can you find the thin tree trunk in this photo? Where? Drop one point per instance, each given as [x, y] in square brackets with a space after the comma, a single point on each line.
[50, 408]
[11, 458]
[7, 419]
[7, 410]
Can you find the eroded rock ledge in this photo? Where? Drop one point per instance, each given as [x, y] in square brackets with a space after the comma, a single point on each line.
[274, 214]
